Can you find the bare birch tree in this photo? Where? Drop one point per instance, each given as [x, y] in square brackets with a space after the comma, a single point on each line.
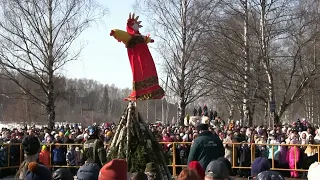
[231, 66]
[288, 29]
[36, 37]
[177, 27]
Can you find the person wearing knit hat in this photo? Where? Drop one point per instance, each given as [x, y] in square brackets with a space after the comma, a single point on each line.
[152, 171]
[44, 156]
[188, 174]
[116, 169]
[31, 146]
[227, 163]
[67, 133]
[259, 164]
[216, 170]
[203, 146]
[88, 171]
[197, 167]
[94, 149]
[37, 172]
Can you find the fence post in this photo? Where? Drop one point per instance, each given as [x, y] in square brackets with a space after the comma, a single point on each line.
[21, 153]
[272, 145]
[174, 160]
[9, 155]
[233, 159]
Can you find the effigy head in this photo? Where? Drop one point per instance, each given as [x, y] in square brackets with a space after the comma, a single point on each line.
[133, 24]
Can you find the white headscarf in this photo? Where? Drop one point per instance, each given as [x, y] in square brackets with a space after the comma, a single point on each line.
[314, 171]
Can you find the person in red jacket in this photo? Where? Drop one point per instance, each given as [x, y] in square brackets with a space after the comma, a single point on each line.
[44, 157]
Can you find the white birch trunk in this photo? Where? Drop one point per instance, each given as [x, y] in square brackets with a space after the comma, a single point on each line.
[246, 108]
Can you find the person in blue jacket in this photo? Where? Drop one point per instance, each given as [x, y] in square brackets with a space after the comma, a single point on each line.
[58, 156]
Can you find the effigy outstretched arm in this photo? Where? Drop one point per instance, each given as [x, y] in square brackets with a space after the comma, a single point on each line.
[121, 36]
[148, 39]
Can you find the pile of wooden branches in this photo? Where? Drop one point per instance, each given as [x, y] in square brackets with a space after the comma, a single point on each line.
[134, 142]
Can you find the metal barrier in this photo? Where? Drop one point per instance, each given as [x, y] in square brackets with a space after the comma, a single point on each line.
[252, 152]
[7, 148]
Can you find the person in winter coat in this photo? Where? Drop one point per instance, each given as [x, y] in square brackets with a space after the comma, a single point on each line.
[200, 111]
[311, 153]
[293, 157]
[228, 147]
[273, 151]
[244, 159]
[58, 155]
[283, 159]
[79, 153]
[195, 112]
[72, 158]
[211, 116]
[203, 147]
[31, 147]
[205, 110]
[304, 138]
[44, 156]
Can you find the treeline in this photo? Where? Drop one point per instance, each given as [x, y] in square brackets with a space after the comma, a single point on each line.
[77, 100]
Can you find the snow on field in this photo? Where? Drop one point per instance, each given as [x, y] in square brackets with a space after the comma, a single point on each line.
[21, 125]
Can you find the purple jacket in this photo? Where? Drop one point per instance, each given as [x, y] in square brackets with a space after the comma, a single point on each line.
[283, 155]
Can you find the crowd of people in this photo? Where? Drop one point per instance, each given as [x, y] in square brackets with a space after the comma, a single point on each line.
[206, 147]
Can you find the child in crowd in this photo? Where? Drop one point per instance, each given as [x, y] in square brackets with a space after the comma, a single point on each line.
[72, 158]
[44, 156]
[58, 156]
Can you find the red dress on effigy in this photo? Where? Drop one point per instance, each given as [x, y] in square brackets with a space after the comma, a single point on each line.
[145, 77]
